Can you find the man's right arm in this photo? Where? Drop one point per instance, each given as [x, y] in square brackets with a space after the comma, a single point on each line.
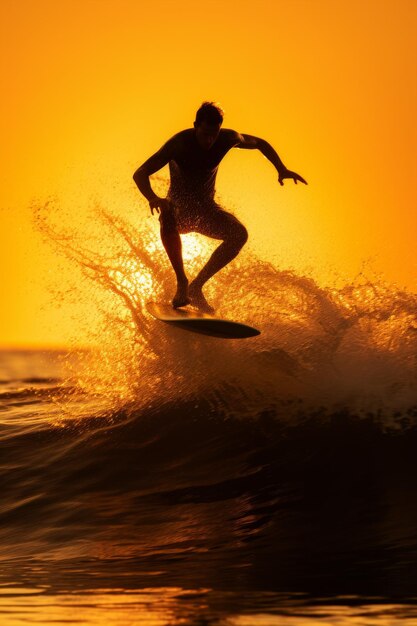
[152, 165]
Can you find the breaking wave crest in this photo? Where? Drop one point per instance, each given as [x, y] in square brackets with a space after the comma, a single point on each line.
[352, 347]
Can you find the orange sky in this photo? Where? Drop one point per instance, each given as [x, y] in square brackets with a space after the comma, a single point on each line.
[92, 88]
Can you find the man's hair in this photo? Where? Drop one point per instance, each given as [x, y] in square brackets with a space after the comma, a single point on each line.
[210, 112]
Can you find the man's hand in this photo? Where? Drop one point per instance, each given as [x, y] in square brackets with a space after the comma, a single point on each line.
[288, 174]
[160, 204]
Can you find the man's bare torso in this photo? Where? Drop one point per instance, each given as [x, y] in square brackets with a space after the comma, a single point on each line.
[193, 170]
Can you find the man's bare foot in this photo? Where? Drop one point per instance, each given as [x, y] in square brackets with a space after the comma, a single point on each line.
[181, 298]
[198, 300]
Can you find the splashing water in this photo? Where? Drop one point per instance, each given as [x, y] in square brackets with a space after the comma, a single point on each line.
[348, 348]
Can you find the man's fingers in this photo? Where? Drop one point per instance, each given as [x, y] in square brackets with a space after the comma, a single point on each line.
[293, 175]
[297, 178]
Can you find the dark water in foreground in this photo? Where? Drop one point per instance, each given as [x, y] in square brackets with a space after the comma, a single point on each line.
[176, 512]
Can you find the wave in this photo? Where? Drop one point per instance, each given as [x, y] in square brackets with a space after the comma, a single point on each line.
[349, 348]
[182, 487]
[284, 460]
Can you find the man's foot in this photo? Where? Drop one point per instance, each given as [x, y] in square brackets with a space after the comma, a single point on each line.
[181, 298]
[198, 300]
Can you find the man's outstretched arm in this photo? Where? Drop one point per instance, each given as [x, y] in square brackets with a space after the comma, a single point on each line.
[249, 142]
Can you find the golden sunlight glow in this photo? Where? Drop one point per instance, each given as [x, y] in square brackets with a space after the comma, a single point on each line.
[90, 96]
[328, 615]
[144, 282]
[194, 246]
[174, 605]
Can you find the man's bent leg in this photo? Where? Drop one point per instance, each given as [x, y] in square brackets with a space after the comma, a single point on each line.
[172, 243]
[219, 225]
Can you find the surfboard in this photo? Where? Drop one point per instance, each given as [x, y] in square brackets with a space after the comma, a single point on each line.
[203, 323]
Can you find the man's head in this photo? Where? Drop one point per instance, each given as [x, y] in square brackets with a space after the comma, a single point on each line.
[207, 124]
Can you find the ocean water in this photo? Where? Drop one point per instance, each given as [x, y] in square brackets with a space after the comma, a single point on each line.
[166, 478]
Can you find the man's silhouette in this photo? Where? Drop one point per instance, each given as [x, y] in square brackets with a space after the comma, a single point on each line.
[194, 156]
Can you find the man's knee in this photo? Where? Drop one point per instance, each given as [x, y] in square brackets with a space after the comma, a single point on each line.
[240, 235]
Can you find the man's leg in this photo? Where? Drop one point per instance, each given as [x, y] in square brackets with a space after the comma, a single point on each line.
[218, 225]
[172, 243]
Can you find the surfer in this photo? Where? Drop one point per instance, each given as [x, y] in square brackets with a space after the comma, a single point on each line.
[193, 156]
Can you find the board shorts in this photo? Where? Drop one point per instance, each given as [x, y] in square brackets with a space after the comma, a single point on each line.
[204, 217]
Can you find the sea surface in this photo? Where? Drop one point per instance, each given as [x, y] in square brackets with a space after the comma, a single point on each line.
[166, 478]
[179, 512]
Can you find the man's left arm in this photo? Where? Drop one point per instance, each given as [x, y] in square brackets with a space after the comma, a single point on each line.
[249, 142]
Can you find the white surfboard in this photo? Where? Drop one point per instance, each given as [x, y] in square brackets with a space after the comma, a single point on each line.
[203, 323]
